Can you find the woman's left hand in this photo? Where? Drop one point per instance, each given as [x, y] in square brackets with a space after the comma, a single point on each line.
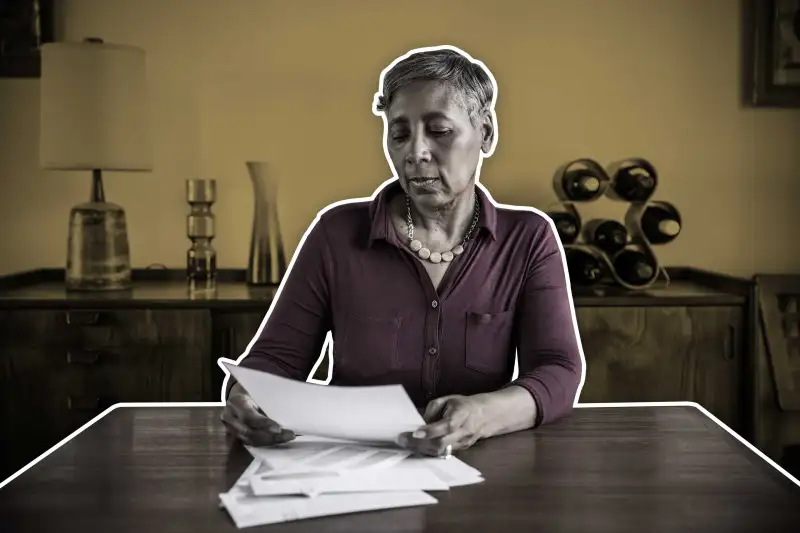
[455, 420]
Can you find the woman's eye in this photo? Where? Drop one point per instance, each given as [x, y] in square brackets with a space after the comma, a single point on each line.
[403, 136]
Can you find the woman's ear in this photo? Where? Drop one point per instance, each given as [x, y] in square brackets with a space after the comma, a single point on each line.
[487, 131]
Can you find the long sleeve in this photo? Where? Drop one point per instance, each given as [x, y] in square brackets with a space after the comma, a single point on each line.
[292, 338]
[548, 343]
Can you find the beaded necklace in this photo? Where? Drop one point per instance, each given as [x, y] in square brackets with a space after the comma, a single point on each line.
[437, 257]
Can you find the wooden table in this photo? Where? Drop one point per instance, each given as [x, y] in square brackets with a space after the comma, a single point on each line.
[638, 470]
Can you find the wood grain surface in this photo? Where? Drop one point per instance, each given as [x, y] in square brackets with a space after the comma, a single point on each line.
[641, 469]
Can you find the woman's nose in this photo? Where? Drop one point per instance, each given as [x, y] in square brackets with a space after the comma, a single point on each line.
[418, 149]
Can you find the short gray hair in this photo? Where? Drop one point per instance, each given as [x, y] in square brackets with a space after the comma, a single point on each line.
[467, 78]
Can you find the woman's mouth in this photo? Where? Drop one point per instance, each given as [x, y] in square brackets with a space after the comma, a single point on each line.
[422, 182]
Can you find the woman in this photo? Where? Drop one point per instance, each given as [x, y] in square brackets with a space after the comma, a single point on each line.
[429, 284]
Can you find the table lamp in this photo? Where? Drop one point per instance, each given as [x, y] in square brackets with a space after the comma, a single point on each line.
[94, 117]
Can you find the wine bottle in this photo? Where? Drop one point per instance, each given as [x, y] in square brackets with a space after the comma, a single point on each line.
[660, 223]
[584, 268]
[633, 184]
[580, 184]
[634, 268]
[567, 226]
[608, 235]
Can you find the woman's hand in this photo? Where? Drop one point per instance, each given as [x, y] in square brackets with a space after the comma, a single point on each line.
[455, 420]
[245, 421]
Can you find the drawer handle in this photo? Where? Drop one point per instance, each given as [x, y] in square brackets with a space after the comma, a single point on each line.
[229, 345]
[83, 357]
[82, 318]
[729, 352]
[83, 403]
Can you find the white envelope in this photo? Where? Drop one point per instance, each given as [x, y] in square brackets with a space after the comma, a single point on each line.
[398, 478]
[306, 456]
[248, 510]
[278, 475]
[453, 471]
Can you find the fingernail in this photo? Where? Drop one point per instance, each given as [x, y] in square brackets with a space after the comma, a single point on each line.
[419, 434]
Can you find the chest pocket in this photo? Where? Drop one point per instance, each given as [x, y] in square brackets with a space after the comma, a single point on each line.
[369, 347]
[489, 342]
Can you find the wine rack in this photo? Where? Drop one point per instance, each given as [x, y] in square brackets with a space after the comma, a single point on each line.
[607, 251]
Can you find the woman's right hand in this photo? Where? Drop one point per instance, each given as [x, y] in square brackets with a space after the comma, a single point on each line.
[244, 420]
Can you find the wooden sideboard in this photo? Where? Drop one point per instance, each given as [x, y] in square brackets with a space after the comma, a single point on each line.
[66, 357]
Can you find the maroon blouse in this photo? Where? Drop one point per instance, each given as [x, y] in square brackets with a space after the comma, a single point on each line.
[506, 295]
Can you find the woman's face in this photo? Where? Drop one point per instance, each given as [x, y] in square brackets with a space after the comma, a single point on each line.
[433, 146]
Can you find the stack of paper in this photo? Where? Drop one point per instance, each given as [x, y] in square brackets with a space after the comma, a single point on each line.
[344, 462]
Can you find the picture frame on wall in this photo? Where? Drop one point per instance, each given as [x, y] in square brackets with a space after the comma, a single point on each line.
[24, 26]
[772, 53]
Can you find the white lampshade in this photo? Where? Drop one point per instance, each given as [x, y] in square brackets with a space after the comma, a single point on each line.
[93, 107]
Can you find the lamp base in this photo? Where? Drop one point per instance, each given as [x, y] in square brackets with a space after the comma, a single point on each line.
[98, 254]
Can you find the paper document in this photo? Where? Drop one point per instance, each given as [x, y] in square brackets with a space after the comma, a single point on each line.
[249, 510]
[366, 414]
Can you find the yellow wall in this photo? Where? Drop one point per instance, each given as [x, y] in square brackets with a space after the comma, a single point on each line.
[292, 81]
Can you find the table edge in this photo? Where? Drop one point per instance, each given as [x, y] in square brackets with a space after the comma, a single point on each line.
[757, 458]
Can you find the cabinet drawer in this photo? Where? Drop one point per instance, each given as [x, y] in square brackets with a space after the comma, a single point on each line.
[665, 354]
[130, 355]
[59, 369]
[97, 329]
[104, 377]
